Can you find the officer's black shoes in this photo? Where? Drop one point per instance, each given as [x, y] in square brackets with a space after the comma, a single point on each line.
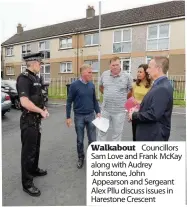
[39, 172]
[32, 191]
[80, 163]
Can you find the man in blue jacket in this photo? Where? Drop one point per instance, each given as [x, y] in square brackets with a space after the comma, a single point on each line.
[82, 95]
[154, 117]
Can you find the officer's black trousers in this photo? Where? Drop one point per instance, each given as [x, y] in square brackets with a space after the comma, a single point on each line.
[30, 138]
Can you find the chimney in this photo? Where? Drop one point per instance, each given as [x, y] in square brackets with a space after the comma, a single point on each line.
[19, 29]
[90, 12]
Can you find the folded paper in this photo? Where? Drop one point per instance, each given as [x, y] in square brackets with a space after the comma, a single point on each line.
[101, 123]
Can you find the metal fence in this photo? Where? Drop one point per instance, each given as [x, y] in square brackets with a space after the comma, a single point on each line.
[178, 83]
[58, 86]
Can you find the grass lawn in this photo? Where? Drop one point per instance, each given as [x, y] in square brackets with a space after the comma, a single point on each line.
[180, 103]
[56, 92]
[178, 95]
[61, 93]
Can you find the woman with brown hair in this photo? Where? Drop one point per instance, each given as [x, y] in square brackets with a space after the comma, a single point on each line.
[140, 89]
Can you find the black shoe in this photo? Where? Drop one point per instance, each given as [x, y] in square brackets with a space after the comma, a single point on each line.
[80, 163]
[39, 172]
[32, 191]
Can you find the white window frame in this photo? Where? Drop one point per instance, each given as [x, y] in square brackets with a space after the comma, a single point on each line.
[147, 58]
[157, 38]
[44, 50]
[45, 43]
[91, 39]
[85, 61]
[44, 73]
[7, 72]
[22, 67]
[66, 38]
[11, 53]
[26, 47]
[25, 53]
[66, 67]
[129, 41]
[128, 58]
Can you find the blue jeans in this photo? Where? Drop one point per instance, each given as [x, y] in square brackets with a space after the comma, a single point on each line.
[82, 121]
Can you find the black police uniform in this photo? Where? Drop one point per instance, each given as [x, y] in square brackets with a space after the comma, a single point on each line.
[28, 85]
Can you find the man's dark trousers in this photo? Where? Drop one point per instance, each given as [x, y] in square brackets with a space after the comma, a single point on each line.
[82, 121]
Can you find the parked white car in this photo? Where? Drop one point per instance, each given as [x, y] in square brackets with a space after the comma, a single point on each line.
[5, 103]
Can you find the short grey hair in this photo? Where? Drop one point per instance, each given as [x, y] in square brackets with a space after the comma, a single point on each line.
[162, 62]
[84, 67]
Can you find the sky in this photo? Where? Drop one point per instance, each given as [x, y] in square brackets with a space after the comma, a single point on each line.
[38, 13]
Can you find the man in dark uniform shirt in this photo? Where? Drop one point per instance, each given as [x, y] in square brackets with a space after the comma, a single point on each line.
[33, 109]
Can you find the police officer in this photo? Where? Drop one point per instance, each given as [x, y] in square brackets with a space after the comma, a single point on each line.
[33, 109]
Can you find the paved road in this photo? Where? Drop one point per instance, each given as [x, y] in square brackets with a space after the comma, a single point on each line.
[64, 184]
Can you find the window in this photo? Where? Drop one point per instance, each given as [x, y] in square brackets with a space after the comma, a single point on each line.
[44, 47]
[65, 43]
[23, 68]
[126, 65]
[45, 72]
[9, 51]
[91, 39]
[9, 71]
[66, 67]
[158, 37]
[94, 64]
[26, 49]
[148, 59]
[122, 41]
[46, 54]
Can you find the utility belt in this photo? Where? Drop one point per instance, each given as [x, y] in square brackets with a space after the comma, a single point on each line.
[31, 119]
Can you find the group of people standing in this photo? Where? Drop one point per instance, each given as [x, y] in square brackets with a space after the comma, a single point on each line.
[152, 90]
[152, 122]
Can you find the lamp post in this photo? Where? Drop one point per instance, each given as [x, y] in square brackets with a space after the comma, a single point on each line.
[99, 51]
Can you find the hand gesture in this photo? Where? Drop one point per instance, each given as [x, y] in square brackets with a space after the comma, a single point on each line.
[98, 115]
[44, 114]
